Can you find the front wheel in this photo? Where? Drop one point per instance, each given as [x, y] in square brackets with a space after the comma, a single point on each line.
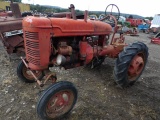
[130, 64]
[57, 100]
[24, 74]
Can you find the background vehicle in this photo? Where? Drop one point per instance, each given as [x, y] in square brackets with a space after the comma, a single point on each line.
[143, 27]
[156, 39]
[93, 17]
[134, 22]
[5, 13]
[11, 30]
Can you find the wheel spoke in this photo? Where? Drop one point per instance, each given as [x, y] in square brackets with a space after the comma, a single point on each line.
[111, 9]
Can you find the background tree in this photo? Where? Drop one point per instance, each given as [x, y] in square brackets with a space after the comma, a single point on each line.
[130, 16]
[13, 0]
[17, 1]
[150, 18]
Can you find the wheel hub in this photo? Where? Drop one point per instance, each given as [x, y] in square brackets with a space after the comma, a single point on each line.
[136, 67]
[28, 75]
[59, 103]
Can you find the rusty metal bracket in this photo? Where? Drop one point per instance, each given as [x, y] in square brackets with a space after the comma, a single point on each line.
[36, 79]
[52, 76]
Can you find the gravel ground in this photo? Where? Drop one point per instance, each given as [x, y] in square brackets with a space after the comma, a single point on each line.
[99, 98]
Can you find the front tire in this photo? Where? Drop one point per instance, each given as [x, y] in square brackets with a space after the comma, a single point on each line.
[24, 74]
[57, 101]
[130, 64]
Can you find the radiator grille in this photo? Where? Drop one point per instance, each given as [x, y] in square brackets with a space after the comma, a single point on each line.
[32, 47]
[31, 35]
[32, 44]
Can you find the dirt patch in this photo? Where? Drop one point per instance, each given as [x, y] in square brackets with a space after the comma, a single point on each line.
[99, 98]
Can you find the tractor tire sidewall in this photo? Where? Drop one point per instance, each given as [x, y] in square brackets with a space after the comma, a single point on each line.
[47, 95]
[145, 62]
[125, 82]
[20, 67]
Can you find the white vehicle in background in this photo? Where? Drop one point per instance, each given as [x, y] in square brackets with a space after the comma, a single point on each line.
[155, 24]
[121, 19]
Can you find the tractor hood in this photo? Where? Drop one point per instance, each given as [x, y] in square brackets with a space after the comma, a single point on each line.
[36, 22]
[64, 26]
[68, 27]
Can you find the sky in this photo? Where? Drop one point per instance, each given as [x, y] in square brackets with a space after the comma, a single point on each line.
[145, 8]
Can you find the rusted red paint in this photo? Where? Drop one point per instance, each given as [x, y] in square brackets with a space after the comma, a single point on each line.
[6, 13]
[10, 28]
[67, 50]
[70, 42]
[59, 103]
[35, 47]
[10, 24]
[14, 42]
[155, 40]
[38, 32]
[83, 49]
[134, 22]
[15, 10]
[136, 66]
[111, 50]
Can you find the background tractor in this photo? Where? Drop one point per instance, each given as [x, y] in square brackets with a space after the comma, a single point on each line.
[70, 42]
[11, 32]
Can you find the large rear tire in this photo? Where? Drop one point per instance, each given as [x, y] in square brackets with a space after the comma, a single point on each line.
[130, 64]
[57, 101]
[25, 75]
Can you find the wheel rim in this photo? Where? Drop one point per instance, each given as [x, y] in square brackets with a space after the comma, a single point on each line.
[60, 103]
[28, 75]
[136, 66]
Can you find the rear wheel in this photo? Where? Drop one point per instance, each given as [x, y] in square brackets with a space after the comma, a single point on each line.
[130, 64]
[24, 74]
[57, 100]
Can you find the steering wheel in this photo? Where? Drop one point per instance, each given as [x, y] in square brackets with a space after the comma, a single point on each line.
[111, 12]
[110, 17]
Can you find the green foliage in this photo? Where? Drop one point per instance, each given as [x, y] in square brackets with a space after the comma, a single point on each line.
[46, 9]
[130, 17]
[127, 24]
[55, 9]
[13, 0]
[17, 1]
[150, 18]
[78, 12]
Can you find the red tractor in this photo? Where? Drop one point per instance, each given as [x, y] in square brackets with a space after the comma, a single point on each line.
[135, 22]
[69, 42]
